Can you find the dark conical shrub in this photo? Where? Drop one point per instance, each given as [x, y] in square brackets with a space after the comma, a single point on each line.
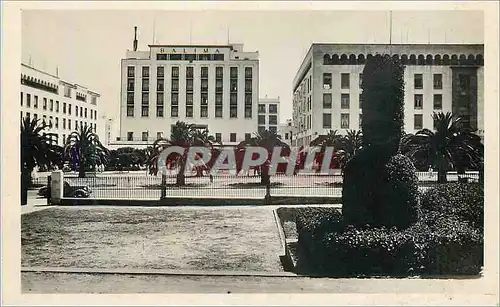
[380, 186]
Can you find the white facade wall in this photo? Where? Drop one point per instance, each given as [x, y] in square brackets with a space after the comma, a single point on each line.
[218, 126]
[60, 110]
[268, 118]
[309, 88]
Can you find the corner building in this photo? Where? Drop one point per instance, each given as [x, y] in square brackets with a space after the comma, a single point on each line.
[211, 86]
[438, 78]
[62, 105]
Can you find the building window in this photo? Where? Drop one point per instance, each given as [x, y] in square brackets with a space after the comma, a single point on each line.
[85, 112]
[189, 111]
[22, 100]
[145, 136]
[233, 72]
[419, 101]
[248, 86]
[417, 121]
[175, 72]
[261, 129]
[438, 81]
[160, 85]
[57, 123]
[204, 72]
[174, 111]
[232, 137]
[218, 137]
[160, 71]
[131, 71]
[286, 135]
[64, 123]
[360, 101]
[261, 120]
[76, 110]
[248, 136]
[218, 105]
[145, 71]
[159, 104]
[219, 72]
[438, 101]
[130, 85]
[262, 108]
[360, 121]
[204, 111]
[189, 85]
[159, 135]
[81, 112]
[273, 108]
[344, 121]
[327, 120]
[418, 81]
[344, 81]
[327, 101]
[45, 104]
[344, 101]
[57, 106]
[69, 109]
[69, 124]
[189, 72]
[273, 120]
[360, 80]
[130, 136]
[145, 85]
[327, 80]
[35, 102]
[248, 72]
[28, 100]
[50, 121]
[273, 129]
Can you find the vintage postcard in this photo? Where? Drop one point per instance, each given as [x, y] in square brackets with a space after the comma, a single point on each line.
[250, 153]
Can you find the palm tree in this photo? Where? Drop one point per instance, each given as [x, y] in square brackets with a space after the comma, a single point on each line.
[331, 139]
[450, 147]
[37, 149]
[183, 135]
[83, 146]
[347, 147]
[264, 139]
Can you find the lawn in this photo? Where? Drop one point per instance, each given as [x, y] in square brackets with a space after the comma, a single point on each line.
[236, 238]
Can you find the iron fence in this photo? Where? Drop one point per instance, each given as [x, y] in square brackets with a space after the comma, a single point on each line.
[142, 186]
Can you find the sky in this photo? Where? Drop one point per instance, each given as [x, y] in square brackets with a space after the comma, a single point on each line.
[87, 45]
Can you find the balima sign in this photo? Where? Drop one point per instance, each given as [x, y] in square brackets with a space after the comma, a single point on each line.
[201, 50]
[254, 157]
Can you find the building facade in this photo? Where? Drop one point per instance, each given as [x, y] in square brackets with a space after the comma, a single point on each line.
[268, 114]
[211, 86]
[286, 132]
[64, 106]
[438, 78]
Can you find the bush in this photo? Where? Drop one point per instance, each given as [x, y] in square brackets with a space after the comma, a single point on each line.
[380, 190]
[453, 247]
[463, 200]
[314, 222]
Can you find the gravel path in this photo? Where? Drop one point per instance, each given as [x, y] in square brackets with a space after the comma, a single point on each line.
[181, 238]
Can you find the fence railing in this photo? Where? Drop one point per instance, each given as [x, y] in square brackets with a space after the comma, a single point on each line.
[141, 186]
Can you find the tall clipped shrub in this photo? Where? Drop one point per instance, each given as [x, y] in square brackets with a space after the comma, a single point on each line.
[380, 186]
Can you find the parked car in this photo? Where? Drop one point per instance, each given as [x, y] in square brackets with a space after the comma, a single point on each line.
[69, 191]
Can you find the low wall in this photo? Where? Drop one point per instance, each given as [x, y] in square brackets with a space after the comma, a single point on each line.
[194, 201]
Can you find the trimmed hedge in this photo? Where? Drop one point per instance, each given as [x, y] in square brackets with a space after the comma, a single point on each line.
[464, 200]
[380, 190]
[447, 239]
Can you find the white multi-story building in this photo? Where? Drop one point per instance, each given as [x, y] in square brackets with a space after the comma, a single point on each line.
[438, 78]
[268, 114]
[62, 105]
[213, 86]
[286, 132]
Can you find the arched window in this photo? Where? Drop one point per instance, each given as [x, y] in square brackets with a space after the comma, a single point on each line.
[446, 60]
[437, 60]
[462, 59]
[421, 59]
[471, 60]
[395, 57]
[361, 59]
[343, 59]
[479, 59]
[404, 59]
[429, 60]
[454, 59]
[369, 56]
[413, 59]
[352, 59]
[335, 59]
[326, 59]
